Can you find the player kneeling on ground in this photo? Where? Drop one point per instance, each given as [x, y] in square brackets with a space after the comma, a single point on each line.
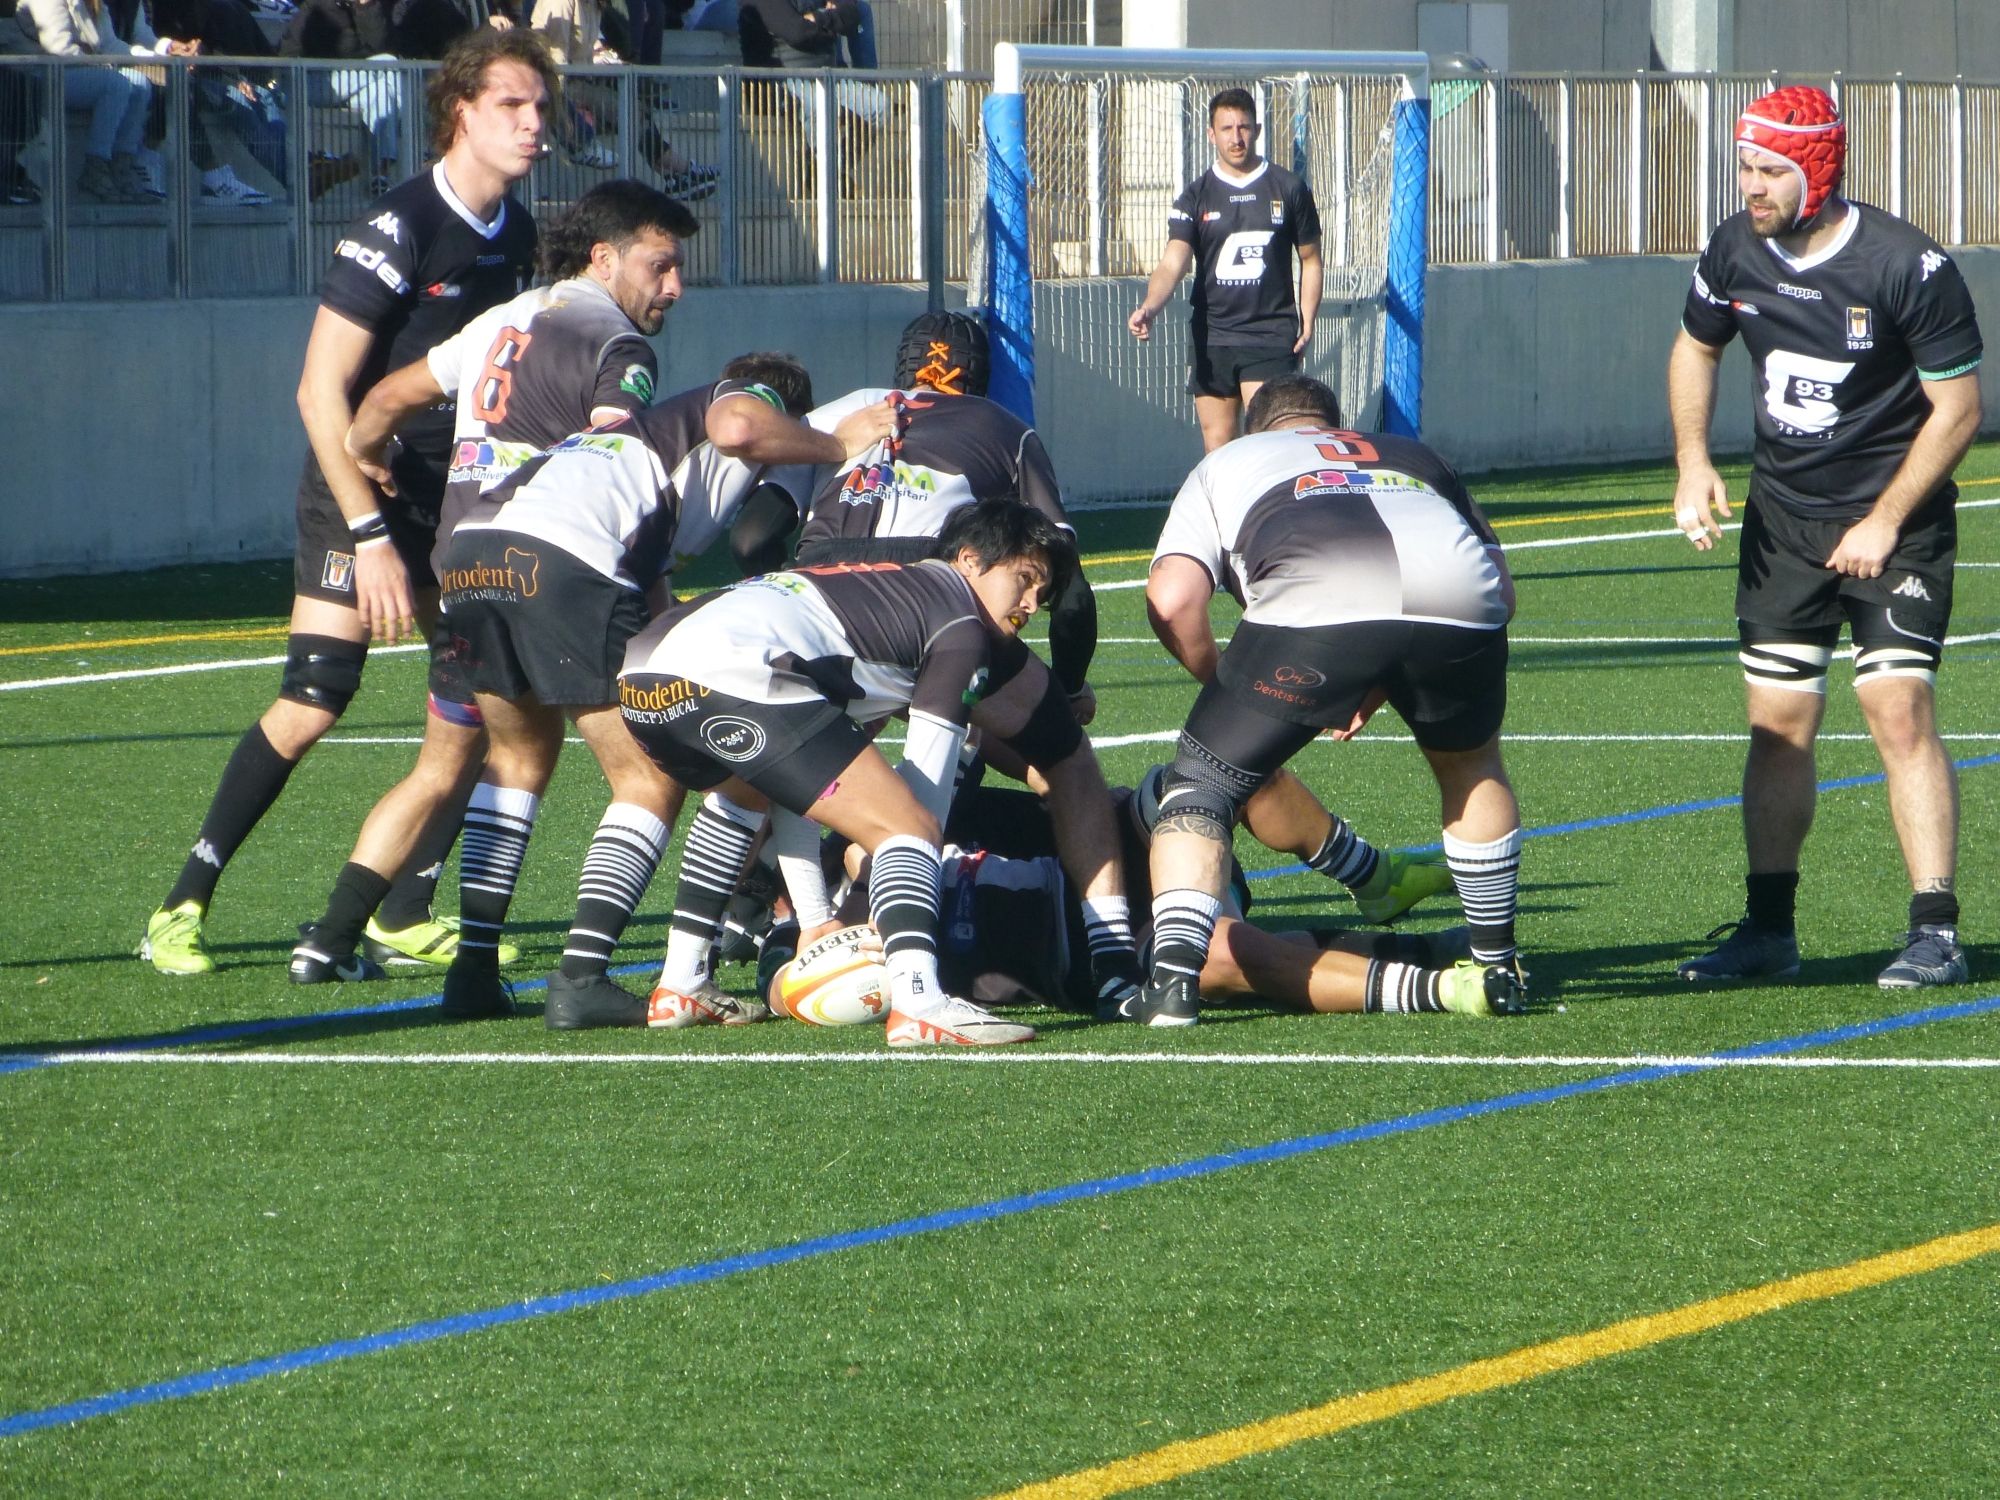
[761, 690]
[1366, 574]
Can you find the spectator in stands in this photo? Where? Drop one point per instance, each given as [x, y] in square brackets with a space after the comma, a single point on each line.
[784, 34]
[251, 107]
[117, 100]
[350, 30]
[21, 96]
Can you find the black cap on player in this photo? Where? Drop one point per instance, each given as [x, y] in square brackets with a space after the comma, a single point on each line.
[946, 351]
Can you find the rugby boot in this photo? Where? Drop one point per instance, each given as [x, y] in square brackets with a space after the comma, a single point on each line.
[954, 1023]
[710, 1005]
[1400, 881]
[1931, 955]
[1471, 988]
[1175, 1003]
[428, 944]
[475, 992]
[315, 962]
[1747, 951]
[588, 1003]
[172, 943]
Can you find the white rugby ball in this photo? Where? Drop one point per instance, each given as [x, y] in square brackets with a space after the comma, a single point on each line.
[838, 980]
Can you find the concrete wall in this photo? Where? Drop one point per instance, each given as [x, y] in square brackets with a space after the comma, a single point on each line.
[141, 434]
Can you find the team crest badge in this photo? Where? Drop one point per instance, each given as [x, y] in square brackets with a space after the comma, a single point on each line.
[338, 572]
[1277, 210]
[1860, 323]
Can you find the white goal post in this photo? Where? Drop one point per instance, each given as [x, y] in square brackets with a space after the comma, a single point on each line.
[1085, 150]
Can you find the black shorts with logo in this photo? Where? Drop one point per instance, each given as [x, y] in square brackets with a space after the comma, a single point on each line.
[1224, 369]
[1449, 682]
[323, 560]
[1784, 590]
[791, 752]
[526, 618]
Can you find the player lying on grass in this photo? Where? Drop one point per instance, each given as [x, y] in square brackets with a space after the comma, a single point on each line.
[761, 691]
[953, 450]
[1012, 927]
[544, 582]
[1366, 573]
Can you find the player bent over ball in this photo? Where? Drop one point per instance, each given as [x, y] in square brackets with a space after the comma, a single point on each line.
[1366, 574]
[762, 690]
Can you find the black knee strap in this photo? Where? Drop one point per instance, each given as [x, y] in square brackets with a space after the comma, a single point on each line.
[1206, 787]
[322, 671]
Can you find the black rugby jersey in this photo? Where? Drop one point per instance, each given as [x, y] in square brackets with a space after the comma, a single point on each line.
[955, 451]
[1243, 234]
[415, 268]
[1840, 342]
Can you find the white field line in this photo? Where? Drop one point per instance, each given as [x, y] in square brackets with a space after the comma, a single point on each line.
[1165, 736]
[193, 666]
[997, 1059]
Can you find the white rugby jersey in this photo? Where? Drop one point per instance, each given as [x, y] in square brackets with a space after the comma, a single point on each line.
[1321, 527]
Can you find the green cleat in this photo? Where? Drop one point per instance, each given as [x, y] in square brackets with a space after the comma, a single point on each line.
[1471, 988]
[1400, 881]
[173, 941]
[432, 944]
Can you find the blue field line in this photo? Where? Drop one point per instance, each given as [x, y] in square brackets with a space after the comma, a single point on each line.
[227, 1376]
[1644, 815]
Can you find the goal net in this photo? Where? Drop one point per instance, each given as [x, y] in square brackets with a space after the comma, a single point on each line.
[1086, 148]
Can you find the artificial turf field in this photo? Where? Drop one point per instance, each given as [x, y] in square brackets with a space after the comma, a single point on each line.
[268, 1239]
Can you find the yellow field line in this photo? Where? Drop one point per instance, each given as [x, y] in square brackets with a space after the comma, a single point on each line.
[255, 633]
[1197, 1454]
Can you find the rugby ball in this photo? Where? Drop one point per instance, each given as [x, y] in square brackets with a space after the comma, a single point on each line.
[838, 980]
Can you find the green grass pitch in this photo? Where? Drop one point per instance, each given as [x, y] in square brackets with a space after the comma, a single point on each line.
[211, 1203]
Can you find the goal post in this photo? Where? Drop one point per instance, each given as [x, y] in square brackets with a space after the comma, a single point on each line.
[1085, 150]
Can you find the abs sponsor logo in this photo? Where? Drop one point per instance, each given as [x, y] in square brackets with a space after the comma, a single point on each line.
[1241, 258]
[1331, 482]
[337, 572]
[517, 577]
[444, 289]
[1746, 309]
[731, 738]
[374, 261]
[1860, 328]
[1211, 216]
[1802, 293]
[659, 702]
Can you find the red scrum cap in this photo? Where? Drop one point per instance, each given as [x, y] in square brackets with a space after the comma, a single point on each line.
[1801, 127]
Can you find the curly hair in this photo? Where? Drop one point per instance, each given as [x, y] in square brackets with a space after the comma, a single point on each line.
[461, 76]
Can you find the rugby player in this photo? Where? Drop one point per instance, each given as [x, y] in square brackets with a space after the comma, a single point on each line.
[1865, 347]
[425, 258]
[525, 375]
[1366, 574]
[544, 579]
[762, 689]
[1238, 225]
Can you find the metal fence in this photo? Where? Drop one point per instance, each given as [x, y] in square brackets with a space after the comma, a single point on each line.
[849, 177]
[1527, 167]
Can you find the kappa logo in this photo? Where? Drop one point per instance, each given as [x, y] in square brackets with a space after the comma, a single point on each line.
[205, 852]
[388, 224]
[733, 739]
[1932, 260]
[1802, 293]
[337, 572]
[1912, 588]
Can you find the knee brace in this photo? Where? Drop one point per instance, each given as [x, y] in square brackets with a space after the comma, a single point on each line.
[1205, 790]
[1797, 665]
[322, 671]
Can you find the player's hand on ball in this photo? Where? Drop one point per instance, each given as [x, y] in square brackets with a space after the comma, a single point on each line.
[1698, 497]
[1865, 549]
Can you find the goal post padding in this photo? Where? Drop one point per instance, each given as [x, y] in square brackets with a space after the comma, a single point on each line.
[1085, 149]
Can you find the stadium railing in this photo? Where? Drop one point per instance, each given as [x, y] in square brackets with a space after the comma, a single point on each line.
[851, 177]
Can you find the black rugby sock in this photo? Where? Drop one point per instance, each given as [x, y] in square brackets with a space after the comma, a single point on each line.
[1772, 900]
[250, 783]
